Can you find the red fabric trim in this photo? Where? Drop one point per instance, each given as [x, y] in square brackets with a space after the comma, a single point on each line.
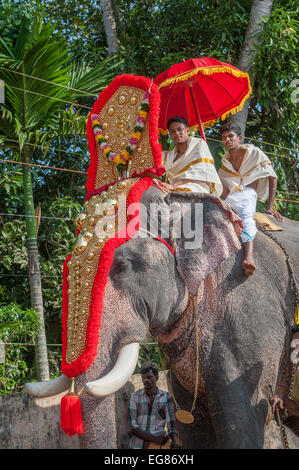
[84, 361]
[153, 117]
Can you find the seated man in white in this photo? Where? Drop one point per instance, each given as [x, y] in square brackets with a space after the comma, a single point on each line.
[190, 165]
[247, 175]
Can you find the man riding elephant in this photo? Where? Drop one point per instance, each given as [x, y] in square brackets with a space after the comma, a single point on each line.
[190, 165]
[247, 176]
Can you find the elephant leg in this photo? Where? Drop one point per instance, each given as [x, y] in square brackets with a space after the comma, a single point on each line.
[200, 434]
[237, 422]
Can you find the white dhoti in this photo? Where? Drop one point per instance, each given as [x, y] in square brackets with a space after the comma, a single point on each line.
[255, 166]
[197, 165]
[244, 204]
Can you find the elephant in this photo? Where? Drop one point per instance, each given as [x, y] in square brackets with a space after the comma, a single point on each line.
[226, 338]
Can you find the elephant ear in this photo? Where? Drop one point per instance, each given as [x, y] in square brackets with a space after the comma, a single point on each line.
[220, 228]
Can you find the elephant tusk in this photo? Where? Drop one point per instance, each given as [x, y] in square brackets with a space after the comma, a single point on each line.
[49, 388]
[118, 376]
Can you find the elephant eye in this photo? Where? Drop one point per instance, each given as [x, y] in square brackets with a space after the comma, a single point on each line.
[119, 266]
[122, 263]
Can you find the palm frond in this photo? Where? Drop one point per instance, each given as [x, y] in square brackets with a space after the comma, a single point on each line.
[92, 80]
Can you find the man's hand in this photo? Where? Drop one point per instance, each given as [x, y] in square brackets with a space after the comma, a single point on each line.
[160, 440]
[276, 401]
[275, 214]
[169, 187]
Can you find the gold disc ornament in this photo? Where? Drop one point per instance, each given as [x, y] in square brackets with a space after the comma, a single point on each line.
[184, 416]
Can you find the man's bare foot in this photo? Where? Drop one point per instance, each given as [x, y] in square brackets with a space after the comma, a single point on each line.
[248, 267]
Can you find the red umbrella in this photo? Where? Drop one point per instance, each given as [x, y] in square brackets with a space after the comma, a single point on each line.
[202, 91]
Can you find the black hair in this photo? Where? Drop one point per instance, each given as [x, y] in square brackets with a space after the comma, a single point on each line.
[149, 366]
[177, 119]
[231, 127]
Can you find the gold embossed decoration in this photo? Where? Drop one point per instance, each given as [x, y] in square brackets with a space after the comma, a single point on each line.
[123, 120]
[84, 262]
[109, 192]
[120, 136]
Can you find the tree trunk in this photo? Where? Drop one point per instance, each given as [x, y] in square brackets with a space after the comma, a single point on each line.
[109, 25]
[259, 10]
[41, 352]
[119, 18]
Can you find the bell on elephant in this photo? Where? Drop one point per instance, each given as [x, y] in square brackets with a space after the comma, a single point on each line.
[110, 206]
[91, 221]
[79, 220]
[87, 235]
[82, 242]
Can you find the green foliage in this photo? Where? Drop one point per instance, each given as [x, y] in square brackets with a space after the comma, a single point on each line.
[56, 238]
[273, 114]
[11, 14]
[150, 352]
[16, 326]
[80, 22]
[160, 33]
[33, 106]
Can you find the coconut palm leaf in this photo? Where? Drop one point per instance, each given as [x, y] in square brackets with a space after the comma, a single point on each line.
[92, 80]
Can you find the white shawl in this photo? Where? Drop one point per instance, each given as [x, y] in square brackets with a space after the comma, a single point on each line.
[255, 166]
[197, 164]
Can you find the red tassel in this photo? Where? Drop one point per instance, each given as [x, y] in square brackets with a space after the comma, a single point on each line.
[71, 415]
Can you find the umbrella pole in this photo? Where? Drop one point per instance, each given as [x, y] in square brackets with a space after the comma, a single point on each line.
[197, 112]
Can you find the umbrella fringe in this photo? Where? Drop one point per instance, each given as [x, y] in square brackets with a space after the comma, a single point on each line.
[214, 121]
[231, 111]
[205, 71]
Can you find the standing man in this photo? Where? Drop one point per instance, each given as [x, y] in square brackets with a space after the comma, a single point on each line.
[190, 165]
[247, 175]
[150, 412]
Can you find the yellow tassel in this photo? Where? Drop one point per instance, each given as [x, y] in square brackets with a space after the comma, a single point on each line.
[297, 315]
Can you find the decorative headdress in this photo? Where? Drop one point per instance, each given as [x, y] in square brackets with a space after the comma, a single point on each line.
[122, 132]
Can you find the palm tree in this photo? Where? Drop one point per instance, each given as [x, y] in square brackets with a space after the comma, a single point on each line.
[40, 81]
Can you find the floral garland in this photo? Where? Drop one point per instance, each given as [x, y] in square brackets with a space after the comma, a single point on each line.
[121, 159]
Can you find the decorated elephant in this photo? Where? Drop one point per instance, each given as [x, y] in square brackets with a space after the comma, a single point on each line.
[225, 337]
